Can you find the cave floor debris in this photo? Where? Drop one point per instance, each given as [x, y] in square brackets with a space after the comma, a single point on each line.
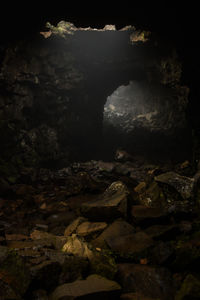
[118, 230]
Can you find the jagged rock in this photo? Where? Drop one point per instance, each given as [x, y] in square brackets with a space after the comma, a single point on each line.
[150, 281]
[71, 228]
[100, 262]
[114, 231]
[131, 245]
[19, 245]
[77, 246]
[112, 204]
[94, 286]
[190, 288]
[48, 238]
[90, 228]
[153, 196]
[182, 184]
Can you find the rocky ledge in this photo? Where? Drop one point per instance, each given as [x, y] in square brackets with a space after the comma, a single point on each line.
[119, 230]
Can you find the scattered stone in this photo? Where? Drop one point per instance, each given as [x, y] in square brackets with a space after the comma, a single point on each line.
[150, 281]
[71, 228]
[93, 286]
[182, 184]
[50, 239]
[90, 228]
[112, 204]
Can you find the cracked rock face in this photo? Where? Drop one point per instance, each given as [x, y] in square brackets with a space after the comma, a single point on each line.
[56, 91]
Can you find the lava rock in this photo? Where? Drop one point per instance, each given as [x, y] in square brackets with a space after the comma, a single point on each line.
[93, 287]
[148, 280]
[182, 184]
[112, 204]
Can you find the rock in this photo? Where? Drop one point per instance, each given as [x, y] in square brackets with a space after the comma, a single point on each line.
[112, 204]
[105, 166]
[117, 229]
[135, 296]
[130, 245]
[46, 275]
[190, 288]
[56, 241]
[60, 218]
[77, 246]
[100, 262]
[187, 254]
[163, 232]
[161, 253]
[145, 216]
[90, 228]
[140, 187]
[71, 228]
[36, 245]
[150, 281]
[13, 271]
[182, 184]
[94, 287]
[153, 196]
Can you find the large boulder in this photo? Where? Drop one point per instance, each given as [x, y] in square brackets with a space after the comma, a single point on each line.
[13, 273]
[150, 281]
[111, 204]
[181, 184]
[93, 287]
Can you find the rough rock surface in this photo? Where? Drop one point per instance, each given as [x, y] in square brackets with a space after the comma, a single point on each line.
[93, 286]
[48, 87]
[47, 246]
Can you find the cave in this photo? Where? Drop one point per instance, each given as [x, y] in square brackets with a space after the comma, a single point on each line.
[99, 159]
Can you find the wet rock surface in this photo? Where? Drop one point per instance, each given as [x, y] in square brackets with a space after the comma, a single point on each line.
[88, 232]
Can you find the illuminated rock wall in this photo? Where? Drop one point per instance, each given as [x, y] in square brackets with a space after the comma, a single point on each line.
[54, 88]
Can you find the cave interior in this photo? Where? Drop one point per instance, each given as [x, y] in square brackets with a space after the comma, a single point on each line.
[99, 158]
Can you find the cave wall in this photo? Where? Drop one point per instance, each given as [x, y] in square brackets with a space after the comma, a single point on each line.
[54, 88]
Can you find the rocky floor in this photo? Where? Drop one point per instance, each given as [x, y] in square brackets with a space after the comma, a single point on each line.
[101, 230]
